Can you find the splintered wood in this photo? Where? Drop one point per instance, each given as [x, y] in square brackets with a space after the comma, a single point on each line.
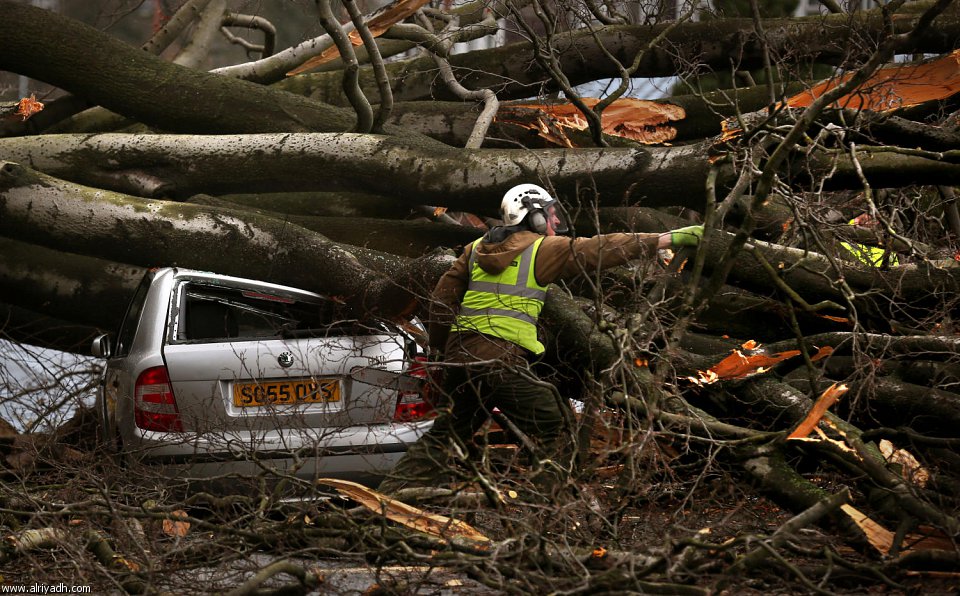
[639, 120]
[894, 87]
[23, 109]
[378, 23]
[440, 526]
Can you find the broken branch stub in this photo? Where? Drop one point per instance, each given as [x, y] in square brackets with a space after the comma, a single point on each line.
[639, 120]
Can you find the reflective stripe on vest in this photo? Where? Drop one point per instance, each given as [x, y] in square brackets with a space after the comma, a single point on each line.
[505, 305]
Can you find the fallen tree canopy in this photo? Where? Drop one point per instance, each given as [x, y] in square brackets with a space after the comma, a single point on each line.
[801, 363]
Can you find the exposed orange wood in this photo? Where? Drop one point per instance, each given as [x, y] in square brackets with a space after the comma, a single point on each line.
[821, 354]
[736, 365]
[894, 87]
[820, 407]
[378, 23]
[441, 526]
[635, 119]
[910, 468]
[891, 88]
[26, 107]
[176, 525]
[878, 536]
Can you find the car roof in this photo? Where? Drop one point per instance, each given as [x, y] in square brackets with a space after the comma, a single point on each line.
[209, 277]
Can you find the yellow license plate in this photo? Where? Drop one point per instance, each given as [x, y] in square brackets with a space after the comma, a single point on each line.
[294, 391]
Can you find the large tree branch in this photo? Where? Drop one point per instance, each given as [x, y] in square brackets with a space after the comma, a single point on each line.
[76, 288]
[141, 86]
[512, 73]
[125, 229]
[274, 68]
[468, 180]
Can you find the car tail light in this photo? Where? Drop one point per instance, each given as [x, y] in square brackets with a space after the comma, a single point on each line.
[154, 405]
[415, 405]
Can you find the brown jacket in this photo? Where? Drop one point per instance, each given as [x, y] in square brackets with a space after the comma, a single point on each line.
[559, 257]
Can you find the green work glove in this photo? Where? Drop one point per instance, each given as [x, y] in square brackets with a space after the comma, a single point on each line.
[688, 236]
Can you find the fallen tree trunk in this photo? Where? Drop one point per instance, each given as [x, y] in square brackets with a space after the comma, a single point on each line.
[399, 237]
[898, 298]
[466, 180]
[452, 122]
[312, 204]
[123, 228]
[895, 403]
[881, 299]
[83, 290]
[584, 55]
[139, 85]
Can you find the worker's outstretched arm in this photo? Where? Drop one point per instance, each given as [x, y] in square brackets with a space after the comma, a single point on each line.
[560, 257]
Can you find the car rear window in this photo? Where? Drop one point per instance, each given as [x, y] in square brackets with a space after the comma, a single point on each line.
[215, 313]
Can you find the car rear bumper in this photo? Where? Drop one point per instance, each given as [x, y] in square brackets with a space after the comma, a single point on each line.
[214, 461]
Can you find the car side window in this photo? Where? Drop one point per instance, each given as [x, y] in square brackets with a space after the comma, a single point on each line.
[131, 320]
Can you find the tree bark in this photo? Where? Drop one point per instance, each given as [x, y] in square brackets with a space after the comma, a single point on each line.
[81, 289]
[312, 204]
[157, 233]
[462, 179]
[714, 44]
[398, 237]
[899, 293]
[144, 87]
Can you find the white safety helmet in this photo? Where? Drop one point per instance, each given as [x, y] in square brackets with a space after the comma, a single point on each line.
[534, 201]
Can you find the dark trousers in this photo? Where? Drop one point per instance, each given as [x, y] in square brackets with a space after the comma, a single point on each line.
[472, 392]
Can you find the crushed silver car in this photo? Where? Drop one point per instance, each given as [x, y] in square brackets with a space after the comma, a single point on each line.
[218, 380]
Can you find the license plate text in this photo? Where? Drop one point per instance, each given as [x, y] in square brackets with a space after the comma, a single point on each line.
[301, 391]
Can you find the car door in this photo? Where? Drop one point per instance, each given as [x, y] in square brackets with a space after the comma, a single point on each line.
[117, 370]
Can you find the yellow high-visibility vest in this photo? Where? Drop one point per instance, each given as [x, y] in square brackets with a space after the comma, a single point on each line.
[869, 255]
[505, 305]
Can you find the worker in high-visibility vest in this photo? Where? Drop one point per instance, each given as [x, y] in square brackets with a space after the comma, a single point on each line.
[483, 326]
[872, 256]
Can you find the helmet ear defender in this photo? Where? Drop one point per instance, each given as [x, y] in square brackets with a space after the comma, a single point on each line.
[538, 222]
